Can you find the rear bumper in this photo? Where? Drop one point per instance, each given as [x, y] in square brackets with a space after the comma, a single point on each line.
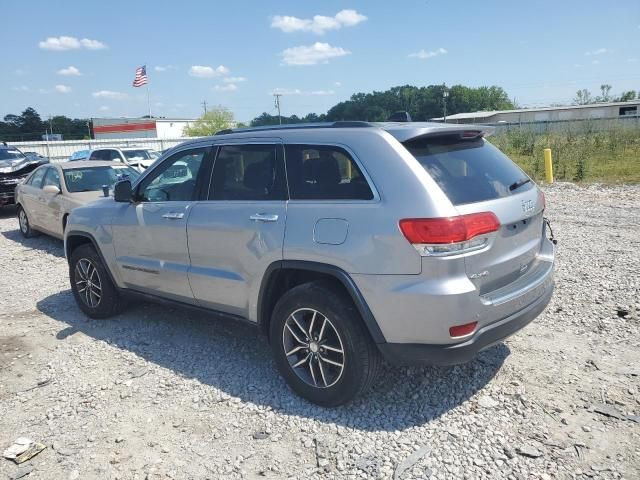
[485, 337]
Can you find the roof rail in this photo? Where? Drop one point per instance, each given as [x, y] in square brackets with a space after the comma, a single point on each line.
[299, 126]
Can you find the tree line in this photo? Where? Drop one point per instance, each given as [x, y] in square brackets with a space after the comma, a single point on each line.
[585, 97]
[29, 126]
[422, 103]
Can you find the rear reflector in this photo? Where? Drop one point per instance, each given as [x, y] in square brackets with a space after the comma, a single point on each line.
[462, 330]
[447, 230]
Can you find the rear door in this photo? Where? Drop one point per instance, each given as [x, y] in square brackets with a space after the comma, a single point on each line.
[150, 234]
[239, 230]
[477, 177]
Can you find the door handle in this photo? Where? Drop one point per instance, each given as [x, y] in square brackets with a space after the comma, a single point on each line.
[264, 217]
[173, 215]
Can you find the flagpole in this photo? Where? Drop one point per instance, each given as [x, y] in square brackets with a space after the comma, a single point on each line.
[148, 99]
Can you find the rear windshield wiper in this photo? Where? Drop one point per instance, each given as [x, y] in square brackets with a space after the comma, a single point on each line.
[518, 184]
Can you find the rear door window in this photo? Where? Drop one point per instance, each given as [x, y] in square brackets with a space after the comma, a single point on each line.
[320, 172]
[248, 172]
[468, 170]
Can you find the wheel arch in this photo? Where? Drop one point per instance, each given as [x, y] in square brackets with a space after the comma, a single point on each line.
[283, 275]
[76, 238]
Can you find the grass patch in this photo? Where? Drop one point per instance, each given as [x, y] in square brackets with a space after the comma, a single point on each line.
[611, 156]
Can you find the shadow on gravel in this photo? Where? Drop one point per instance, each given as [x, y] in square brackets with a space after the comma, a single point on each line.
[42, 242]
[235, 359]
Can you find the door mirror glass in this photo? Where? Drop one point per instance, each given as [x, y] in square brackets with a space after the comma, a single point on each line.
[122, 191]
[51, 190]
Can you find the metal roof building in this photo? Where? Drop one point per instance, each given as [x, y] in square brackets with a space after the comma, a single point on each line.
[549, 114]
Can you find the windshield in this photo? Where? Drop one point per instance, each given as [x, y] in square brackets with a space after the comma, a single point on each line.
[8, 154]
[136, 154]
[468, 171]
[91, 179]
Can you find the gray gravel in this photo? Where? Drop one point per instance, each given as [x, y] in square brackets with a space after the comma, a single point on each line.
[160, 393]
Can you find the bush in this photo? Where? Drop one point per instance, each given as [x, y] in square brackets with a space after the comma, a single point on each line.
[612, 155]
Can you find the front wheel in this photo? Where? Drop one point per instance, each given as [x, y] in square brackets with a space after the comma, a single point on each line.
[92, 288]
[321, 346]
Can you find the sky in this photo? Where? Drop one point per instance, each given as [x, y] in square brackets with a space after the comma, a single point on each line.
[78, 58]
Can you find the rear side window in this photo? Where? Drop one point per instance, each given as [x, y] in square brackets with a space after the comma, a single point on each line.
[248, 172]
[319, 172]
[468, 171]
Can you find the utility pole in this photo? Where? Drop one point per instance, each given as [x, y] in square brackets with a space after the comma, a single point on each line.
[89, 129]
[445, 95]
[277, 97]
[204, 105]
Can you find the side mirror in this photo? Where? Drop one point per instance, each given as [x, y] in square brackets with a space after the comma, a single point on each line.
[122, 191]
[51, 190]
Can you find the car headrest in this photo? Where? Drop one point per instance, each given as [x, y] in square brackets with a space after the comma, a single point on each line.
[327, 171]
[259, 176]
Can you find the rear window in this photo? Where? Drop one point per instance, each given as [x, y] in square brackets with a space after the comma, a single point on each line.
[468, 171]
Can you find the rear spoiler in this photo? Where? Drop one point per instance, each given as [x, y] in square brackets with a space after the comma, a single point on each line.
[404, 132]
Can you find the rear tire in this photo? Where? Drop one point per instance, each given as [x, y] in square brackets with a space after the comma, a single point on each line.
[24, 224]
[92, 288]
[316, 321]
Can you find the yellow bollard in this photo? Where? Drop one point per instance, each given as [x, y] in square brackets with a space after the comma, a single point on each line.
[548, 165]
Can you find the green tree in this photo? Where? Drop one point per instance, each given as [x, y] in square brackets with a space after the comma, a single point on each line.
[583, 97]
[627, 96]
[211, 122]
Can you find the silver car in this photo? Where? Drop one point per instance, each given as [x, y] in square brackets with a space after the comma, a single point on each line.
[47, 196]
[345, 243]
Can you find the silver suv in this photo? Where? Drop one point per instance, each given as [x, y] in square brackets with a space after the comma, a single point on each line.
[345, 243]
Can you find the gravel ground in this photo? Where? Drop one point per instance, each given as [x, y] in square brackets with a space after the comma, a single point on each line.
[162, 393]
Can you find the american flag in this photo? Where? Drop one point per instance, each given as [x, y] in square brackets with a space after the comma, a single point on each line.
[141, 76]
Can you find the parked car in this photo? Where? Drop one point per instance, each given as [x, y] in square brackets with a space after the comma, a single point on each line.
[51, 192]
[79, 155]
[419, 243]
[15, 166]
[137, 157]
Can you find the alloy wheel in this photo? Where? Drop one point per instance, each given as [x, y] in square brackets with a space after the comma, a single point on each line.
[88, 283]
[313, 348]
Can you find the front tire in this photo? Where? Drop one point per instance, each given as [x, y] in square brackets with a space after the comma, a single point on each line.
[25, 225]
[321, 346]
[92, 288]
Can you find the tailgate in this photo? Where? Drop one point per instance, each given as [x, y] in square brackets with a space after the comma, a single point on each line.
[513, 249]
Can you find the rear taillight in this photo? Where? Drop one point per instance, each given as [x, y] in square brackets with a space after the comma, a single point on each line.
[449, 235]
[542, 200]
